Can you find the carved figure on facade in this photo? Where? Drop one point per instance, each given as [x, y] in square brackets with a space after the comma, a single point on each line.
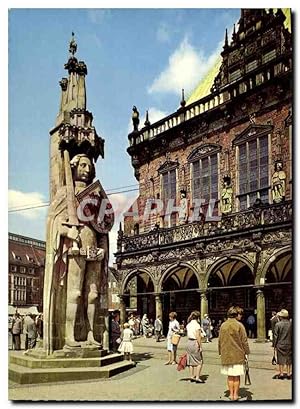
[226, 196]
[183, 212]
[278, 183]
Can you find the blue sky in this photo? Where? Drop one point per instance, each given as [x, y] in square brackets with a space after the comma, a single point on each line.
[139, 57]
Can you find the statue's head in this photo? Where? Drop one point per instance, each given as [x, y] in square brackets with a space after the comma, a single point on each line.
[83, 168]
[278, 165]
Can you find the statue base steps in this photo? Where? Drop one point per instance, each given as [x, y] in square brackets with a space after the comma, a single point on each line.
[24, 369]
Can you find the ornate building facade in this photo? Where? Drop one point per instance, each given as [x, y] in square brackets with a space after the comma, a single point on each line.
[226, 162]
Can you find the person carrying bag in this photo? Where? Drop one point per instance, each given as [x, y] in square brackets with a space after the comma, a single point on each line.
[175, 339]
[247, 372]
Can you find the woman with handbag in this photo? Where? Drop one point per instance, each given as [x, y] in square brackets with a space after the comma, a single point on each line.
[174, 328]
[194, 347]
[234, 350]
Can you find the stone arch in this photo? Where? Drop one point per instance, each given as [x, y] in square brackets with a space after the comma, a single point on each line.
[277, 254]
[134, 273]
[223, 260]
[171, 269]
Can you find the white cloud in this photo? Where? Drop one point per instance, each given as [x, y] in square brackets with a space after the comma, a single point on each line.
[154, 115]
[96, 16]
[186, 67]
[163, 33]
[18, 200]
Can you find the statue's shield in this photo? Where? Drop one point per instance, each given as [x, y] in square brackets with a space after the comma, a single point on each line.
[94, 208]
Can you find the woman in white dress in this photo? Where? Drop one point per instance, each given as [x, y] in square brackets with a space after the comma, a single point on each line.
[126, 346]
[174, 328]
[234, 350]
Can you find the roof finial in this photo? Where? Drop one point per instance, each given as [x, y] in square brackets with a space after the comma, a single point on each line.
[147, 122]
[226, 39]
[234, 32]
[182, 102]
[73, 45]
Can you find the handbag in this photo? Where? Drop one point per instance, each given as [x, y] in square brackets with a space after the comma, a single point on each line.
[175, 339]
[247, 373]
[118, 340]
[182, 362]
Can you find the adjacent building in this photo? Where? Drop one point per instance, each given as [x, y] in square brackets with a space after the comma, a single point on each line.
[225, 161]
[26, 266]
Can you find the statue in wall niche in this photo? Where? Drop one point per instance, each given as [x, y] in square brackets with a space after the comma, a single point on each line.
[183, 212]
[77, 258]
[135, 118]
[278, 183]
[226, 196]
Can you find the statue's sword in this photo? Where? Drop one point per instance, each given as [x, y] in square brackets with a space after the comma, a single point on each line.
[71, 206]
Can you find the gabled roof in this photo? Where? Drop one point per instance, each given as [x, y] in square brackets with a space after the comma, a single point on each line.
[26, 254]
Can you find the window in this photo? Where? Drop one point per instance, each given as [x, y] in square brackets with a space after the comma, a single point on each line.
[13, 269]
[169, 185]
[253, 171]
[31, 270]
[234, 75]
[205, 179]
[169, 192]
[251, 66]
[22, 270]
[268, 56]
[30, 259]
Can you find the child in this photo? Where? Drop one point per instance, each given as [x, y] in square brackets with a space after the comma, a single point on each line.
[126, 345]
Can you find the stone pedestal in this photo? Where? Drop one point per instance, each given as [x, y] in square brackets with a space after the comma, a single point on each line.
[63, 365]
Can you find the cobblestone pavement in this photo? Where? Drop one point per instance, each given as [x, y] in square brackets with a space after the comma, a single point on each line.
[151, 380]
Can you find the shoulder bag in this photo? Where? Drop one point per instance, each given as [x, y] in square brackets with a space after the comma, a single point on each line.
[247, 373]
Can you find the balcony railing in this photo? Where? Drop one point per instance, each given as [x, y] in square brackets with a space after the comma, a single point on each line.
[245, 220]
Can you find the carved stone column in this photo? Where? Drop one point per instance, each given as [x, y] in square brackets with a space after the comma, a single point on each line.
[203, 304]
[122, 309]
[261, 316]
[158, 305]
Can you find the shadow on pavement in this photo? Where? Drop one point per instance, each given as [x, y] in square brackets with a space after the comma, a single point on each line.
[244, 394]
[140, 357]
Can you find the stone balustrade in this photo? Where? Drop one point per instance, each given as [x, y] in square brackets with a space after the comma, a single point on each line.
[211, 101]
[240, 221]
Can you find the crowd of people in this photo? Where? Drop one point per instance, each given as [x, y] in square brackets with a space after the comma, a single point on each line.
[232, 337]
[30, 325]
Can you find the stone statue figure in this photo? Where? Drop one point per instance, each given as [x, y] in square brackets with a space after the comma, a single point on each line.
[226, 196]
[76, 263]
[135, 118]
[278, 183]
[183, 212]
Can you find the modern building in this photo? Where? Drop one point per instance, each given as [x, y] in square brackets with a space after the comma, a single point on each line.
[26, 266]
[226, 162]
